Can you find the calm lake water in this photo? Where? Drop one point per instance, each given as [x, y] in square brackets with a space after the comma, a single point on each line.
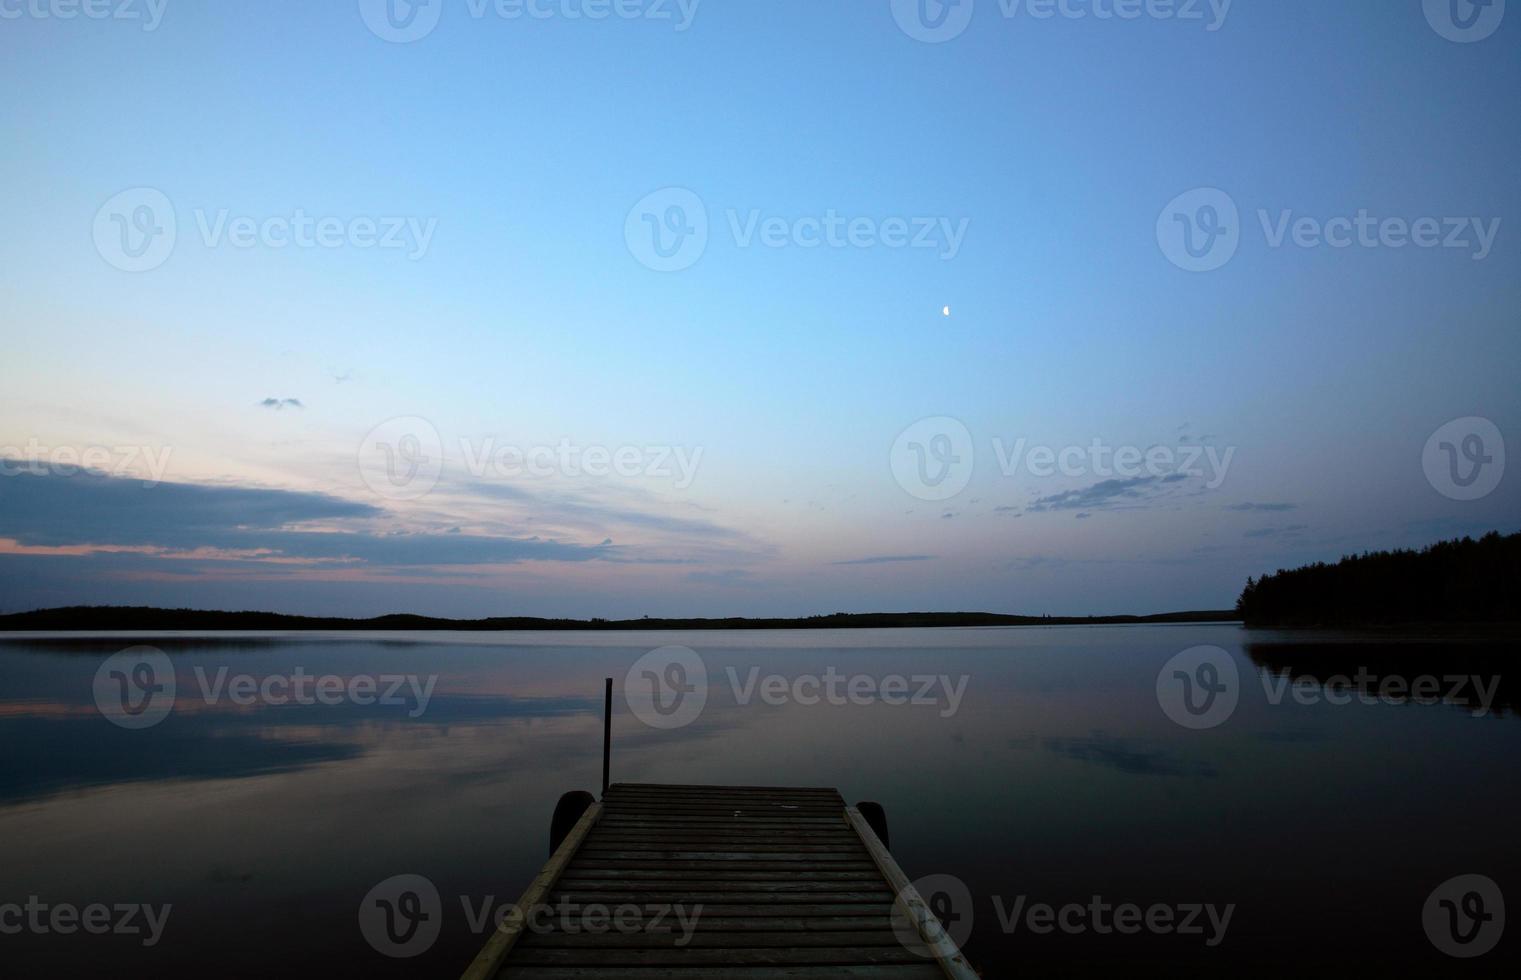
[1034, 765]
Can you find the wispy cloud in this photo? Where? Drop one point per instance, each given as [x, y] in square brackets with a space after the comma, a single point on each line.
[1128, 755]
[885, 560]
[727, 577]
[1275, 508]
[1109, 494]
[1274, 532]
[581, 510]
[89, 511]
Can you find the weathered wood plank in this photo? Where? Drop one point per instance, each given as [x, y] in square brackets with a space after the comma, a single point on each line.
[772, 882]
[753, 908]
[704, 788]
[577, 872]
[679, 939]
[723, 865]
[907, 899]
[904, 971]
[855, 955]
[706, 922]
[497, 948]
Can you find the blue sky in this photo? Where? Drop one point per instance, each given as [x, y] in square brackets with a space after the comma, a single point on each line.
[763, 387]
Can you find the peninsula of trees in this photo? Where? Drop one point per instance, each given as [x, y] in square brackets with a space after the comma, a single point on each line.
[1452, 582]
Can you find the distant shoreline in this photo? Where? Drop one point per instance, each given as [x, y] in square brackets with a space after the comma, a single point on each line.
[148, 618]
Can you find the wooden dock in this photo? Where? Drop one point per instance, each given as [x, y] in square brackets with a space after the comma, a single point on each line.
[771, 882]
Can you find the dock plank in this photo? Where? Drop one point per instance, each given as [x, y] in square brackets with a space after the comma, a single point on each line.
[720, 882]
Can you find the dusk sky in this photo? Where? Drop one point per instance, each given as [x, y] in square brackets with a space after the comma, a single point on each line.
[749, 308]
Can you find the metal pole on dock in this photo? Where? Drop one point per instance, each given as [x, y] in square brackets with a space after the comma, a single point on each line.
[607, 734]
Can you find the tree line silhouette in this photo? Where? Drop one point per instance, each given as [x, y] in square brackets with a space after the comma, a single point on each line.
[150, 618]
[1459, 581]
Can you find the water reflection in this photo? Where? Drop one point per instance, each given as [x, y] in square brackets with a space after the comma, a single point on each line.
[1057, 777]
[1469, 674]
